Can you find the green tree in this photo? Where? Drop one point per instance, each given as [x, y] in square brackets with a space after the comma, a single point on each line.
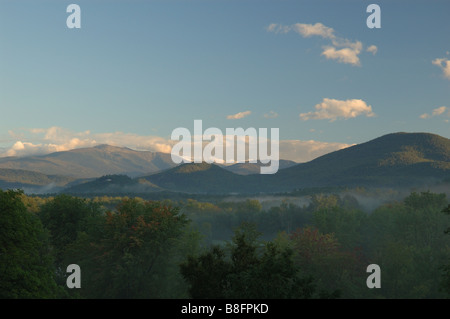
[323, 201]
[445, 283]
[322, 257]
[134, 251]
[345, 223]
[247, 268]
[26, 269]
[407, 241]
[207, 274]
[65, 216]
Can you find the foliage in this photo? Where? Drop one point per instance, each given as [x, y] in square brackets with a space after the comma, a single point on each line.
[344, 223]
[25, 262]
[246, 268]
[321, 256]
[135, 248]
[130, 252]
[445, 283]
[65, 216]
[407, 240]
[19, 176]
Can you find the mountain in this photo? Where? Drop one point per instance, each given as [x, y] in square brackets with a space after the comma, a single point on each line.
[92, 162]
[199, 178]
[393, 160]
[254, 168]
[112, 184]
[32, 181]
[397, 159]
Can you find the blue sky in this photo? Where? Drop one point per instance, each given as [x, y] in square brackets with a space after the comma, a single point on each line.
[136, 70]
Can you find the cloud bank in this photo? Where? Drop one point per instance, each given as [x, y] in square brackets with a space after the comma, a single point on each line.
[55, 139]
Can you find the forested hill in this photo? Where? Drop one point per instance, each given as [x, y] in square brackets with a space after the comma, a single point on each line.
[254, 168]
[393, 160]
[17, 178]
[396, 159]
[200, 178]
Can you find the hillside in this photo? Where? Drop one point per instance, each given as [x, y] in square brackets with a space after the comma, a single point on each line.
[199, 178]
[398, 159]
[112, 184]
[32, 181]
[393, 160]
[254, 168]
[92, 162]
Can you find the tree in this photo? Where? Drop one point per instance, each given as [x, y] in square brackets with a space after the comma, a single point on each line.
[65, 216]
[246, 268]
[25, 263]
[445, 283]
[407, 241]
[206, 274]
[345, 223]
[134, 250]
[322, 257]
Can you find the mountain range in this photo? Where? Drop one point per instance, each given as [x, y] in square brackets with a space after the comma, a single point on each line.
[92, 162]
[392, 160]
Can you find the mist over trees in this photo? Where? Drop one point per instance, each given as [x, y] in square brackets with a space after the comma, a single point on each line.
[136, 248]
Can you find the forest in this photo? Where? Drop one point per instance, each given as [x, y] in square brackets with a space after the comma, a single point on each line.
[130, 247]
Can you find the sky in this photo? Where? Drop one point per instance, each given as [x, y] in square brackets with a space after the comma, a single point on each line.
[137, 70]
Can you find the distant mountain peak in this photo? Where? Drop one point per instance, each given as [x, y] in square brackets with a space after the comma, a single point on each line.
[100, 146]
[109, 147]
[93, 162]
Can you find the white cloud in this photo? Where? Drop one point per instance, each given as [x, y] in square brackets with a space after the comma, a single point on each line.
[271, 115]
[342, 43]
[278, 28]
[332, 110]
[271, 27]
[348, 54]
[44, 141]
[56, 139]
[309, 30]
[444, 64]
[436, 112]
[28, 148]
[239, 115]
[372, 49]
[345, 55]
[342, 50]
[439, 111]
